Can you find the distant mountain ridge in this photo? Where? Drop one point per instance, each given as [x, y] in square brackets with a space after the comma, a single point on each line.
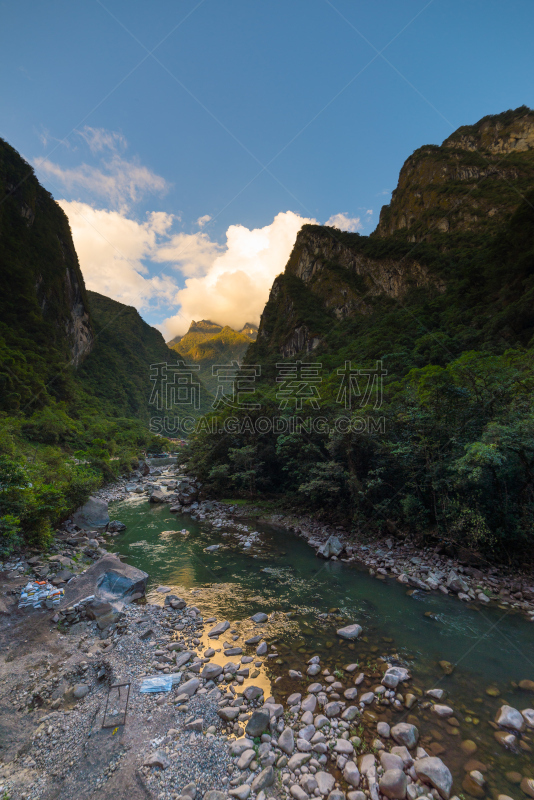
[207, 343]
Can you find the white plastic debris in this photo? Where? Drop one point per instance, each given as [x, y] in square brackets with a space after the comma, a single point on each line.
[161, 683]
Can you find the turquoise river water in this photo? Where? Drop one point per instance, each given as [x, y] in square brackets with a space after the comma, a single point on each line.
[491, 649]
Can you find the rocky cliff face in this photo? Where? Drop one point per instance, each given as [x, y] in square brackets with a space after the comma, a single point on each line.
[345, 278]
[466, 187]
[43, 291]
[330, 276]
[469, 183]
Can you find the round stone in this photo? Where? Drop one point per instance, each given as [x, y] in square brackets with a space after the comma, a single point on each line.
[393, 784]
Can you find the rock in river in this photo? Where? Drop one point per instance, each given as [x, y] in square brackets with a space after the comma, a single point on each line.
[405, 734]
[350, 631]
[116, 526]
[432, 770]
[259, 617]
[221, 627]
[211, 671]
[508, 717]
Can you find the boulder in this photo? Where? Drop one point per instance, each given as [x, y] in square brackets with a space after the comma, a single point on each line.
[116, 526]
[442, 711]
[158, 496]
[332, 547]
[351, 774]
[403, 754]
[286, 741]
[259, 617]
[393, 676]
[456, 584]
[221, 627]
[240, 745]
[350, 631]
[241, 792]
[264, 779]
[294, 698]
[508, 717]
[190, 687]
[325, 782]
[391, 761]
[432, 770]
[383, 730]
[258, 723]
[474, 783]
[309, 703]
[93, 514]
[393, 784]
[296, 761]
[62, 576]
[183, 658]
[211, 671]
[246, 758]
[528, 716]
[118, 585]
[332, 709]
[344, 747]
[157, 759]
[405, 734]
[252, 692]
[229, 713]
[89, 583]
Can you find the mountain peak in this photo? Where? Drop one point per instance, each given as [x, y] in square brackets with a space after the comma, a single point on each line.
[204, 326]
[471, 182]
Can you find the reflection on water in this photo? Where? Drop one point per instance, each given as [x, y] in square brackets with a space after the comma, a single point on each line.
[308, 599]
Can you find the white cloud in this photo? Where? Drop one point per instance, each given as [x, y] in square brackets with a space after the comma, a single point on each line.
[116, 180]
[111, 249]
[119, 181]
[201, 221]
[122, 258]
[235, 287]
[100, 139]
[191, 253]
[345, 223]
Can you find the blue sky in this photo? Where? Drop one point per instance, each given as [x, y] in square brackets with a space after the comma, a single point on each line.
[145, 120]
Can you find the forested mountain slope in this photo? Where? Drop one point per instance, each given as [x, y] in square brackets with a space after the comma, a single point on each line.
[447, 449]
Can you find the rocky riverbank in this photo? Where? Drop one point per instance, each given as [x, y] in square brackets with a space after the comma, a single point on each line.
[338, 732]
[390, 558]
[214, 734]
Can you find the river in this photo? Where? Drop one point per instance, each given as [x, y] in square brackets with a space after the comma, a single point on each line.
[491, 648]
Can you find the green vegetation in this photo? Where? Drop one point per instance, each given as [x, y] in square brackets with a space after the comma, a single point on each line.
[452, 460]
[118, 369]
[64, 429]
